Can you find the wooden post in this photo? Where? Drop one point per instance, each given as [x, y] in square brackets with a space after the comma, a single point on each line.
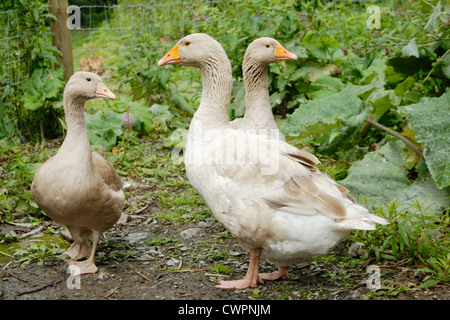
[61, 34]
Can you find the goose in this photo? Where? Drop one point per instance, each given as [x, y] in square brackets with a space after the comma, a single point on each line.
[77, 187]
[258, 111]
[267, 193]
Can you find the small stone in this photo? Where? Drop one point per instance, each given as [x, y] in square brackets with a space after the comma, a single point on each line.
[135, 237]
[189, 233]
[173, 262]
[65, 233]
[204, 224]
[123, 218]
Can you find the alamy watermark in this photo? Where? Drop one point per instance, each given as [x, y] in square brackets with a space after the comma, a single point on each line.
[373, 282]
[374, 20]
[74, 19]
[74, 280]
[218, 147]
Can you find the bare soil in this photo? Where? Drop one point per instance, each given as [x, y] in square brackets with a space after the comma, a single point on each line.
[169, 273]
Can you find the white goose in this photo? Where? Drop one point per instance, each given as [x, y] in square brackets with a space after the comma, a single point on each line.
[77, 187]
[258, 111]
[267, 193]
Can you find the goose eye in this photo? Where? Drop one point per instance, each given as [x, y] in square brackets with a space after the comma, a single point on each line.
[267, 45]
[88, 79]
[187, 43]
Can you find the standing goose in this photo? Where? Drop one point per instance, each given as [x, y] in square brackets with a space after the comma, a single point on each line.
[258, 111]
[77, 187]
[267, 193]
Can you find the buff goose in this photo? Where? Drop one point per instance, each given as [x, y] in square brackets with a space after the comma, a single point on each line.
[258, 111]
[77, 187]
[267, 193]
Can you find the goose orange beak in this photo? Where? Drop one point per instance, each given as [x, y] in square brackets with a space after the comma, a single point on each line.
[102, 91]
[171, 57]
[284, 54]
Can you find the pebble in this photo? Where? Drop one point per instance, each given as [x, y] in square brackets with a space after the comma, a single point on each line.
[354, 296]
[173, 262]
[135, 237]
[154, 252]
[64, 232]
[205, 224]
[123, 218]
[189, 233]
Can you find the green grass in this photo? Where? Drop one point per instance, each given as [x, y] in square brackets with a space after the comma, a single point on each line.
[185, 206]
[159, 241]
[221, 269]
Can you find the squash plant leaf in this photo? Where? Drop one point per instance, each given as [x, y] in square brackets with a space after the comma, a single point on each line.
[104, 127]
[322, 114]
[44, 84]
[379, 176]
[430, 120]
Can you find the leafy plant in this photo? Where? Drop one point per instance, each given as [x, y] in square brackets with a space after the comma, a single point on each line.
[439, 271]
[44, 85]
[420, 238]
[430, 122]
[221, 269]
[31, 77]
[104, 127]
[38, 251]
[159, 241]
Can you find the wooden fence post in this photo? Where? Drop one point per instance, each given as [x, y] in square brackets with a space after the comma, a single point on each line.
[61, 34]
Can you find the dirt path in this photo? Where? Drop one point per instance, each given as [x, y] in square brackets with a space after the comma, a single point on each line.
[181, 270]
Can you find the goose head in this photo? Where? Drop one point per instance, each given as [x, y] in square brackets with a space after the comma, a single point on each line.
[193, 50]
[86, 86]
[268, 50]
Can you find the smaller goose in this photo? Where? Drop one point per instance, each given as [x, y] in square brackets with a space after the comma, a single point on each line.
[77, 187]
[258, 112]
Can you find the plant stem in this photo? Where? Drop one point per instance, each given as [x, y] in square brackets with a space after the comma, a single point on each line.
[395, 134]
[432, 69]
[42, 131]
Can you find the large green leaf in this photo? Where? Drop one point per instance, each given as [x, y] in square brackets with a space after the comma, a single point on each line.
[104, 127]
[44, 84]
[411, 49]
[431, 122]
[322, 114]
[433, 23]
[161, 115]
[178, 99]
[425, 192]
[142, 120]
[379, 176]
[311, 71]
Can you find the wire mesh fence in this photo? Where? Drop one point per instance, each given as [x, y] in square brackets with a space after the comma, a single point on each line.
[124, 24]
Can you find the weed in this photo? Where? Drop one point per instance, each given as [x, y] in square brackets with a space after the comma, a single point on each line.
[159, 241]
[221, 269]
[420, 238]
[39, 251]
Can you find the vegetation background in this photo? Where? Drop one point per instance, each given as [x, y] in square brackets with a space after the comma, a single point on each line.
[353, 81]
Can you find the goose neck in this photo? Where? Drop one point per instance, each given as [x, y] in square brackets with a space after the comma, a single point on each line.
[217, 83]
[77, 138]
[256, 88]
